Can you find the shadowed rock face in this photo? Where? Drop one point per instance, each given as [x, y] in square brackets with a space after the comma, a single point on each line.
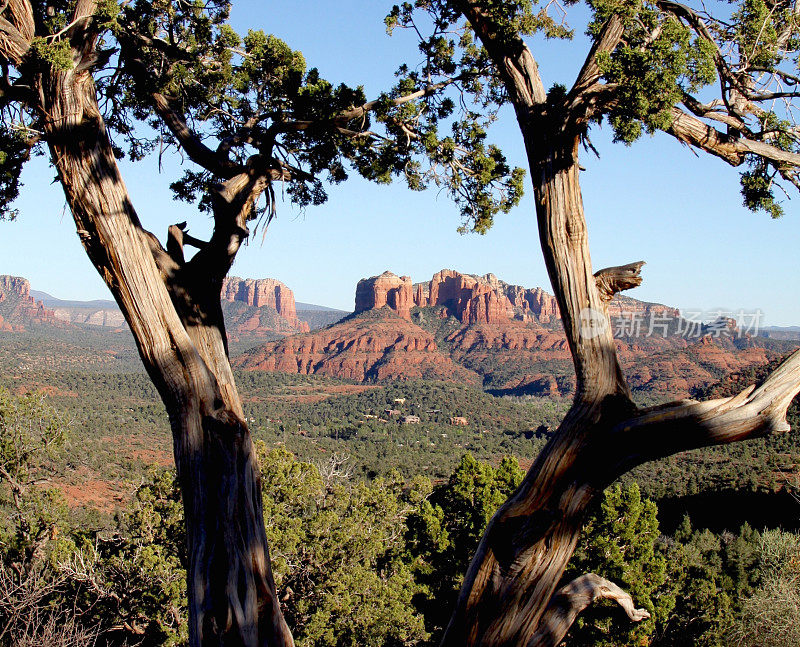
[258, 293]
[14, 286]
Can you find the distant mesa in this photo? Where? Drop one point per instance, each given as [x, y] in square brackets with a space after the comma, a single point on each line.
[506, 337]
[101, 312]
[258, 293]
[474, 299]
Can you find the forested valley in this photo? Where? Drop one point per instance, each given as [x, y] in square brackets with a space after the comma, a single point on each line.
[371, 521]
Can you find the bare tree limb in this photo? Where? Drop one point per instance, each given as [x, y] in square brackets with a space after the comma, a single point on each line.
[690, 130]
[712, 111]
[234, 205]
[606, 42]
[17, 92]
[612, 280]
[667, 429]
[568, 602]
[13, 44]
[693, 132]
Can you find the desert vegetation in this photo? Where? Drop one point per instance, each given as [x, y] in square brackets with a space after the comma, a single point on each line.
[86, 83]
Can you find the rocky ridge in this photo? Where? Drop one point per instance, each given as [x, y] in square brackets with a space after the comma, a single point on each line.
[18, 309]
[501, 334]
[372, 346]
[476, 299]
[106, 317]
[254, 308]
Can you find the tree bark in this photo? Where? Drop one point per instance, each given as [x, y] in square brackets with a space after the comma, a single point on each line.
[176, 321]
[510, 587]
[573, 598]
[528, 543]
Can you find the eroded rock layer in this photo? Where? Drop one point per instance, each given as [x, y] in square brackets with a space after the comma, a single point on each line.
[18, 309]
[259, 293]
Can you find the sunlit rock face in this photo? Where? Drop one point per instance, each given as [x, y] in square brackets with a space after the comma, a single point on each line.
[258, 293]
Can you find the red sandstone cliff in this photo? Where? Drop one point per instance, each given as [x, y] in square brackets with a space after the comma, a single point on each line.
[471, 299]
[258, 293]
[19, 308]
[481, 299]
[503, 340]
[385, 290]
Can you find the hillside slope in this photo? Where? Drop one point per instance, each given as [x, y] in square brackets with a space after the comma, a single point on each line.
[508, 338]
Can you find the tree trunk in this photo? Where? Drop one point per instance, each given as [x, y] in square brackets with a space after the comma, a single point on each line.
[528, 543]
[177, 325]
[509, 593]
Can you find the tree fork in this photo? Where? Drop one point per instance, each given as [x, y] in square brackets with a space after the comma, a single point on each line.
[510, 588]
[231, 591]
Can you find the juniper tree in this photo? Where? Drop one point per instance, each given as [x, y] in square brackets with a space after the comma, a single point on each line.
[720, 78]
[247, 112]
[86, 82]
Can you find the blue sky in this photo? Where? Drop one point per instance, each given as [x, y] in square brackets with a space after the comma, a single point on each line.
[655, 201]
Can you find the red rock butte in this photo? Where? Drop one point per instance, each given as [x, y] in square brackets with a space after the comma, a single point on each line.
[469, 298]
[25, 308]
[477, 299]
[258, 293]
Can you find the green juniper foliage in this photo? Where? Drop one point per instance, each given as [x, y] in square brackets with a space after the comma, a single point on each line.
[251, 101]
[672, 59]
[621, 543]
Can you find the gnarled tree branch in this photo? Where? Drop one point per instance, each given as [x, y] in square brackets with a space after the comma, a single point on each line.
[612, 280]
[568, 602]
[734, 150]
[17, 29]
[693, 132]
[670, 428]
